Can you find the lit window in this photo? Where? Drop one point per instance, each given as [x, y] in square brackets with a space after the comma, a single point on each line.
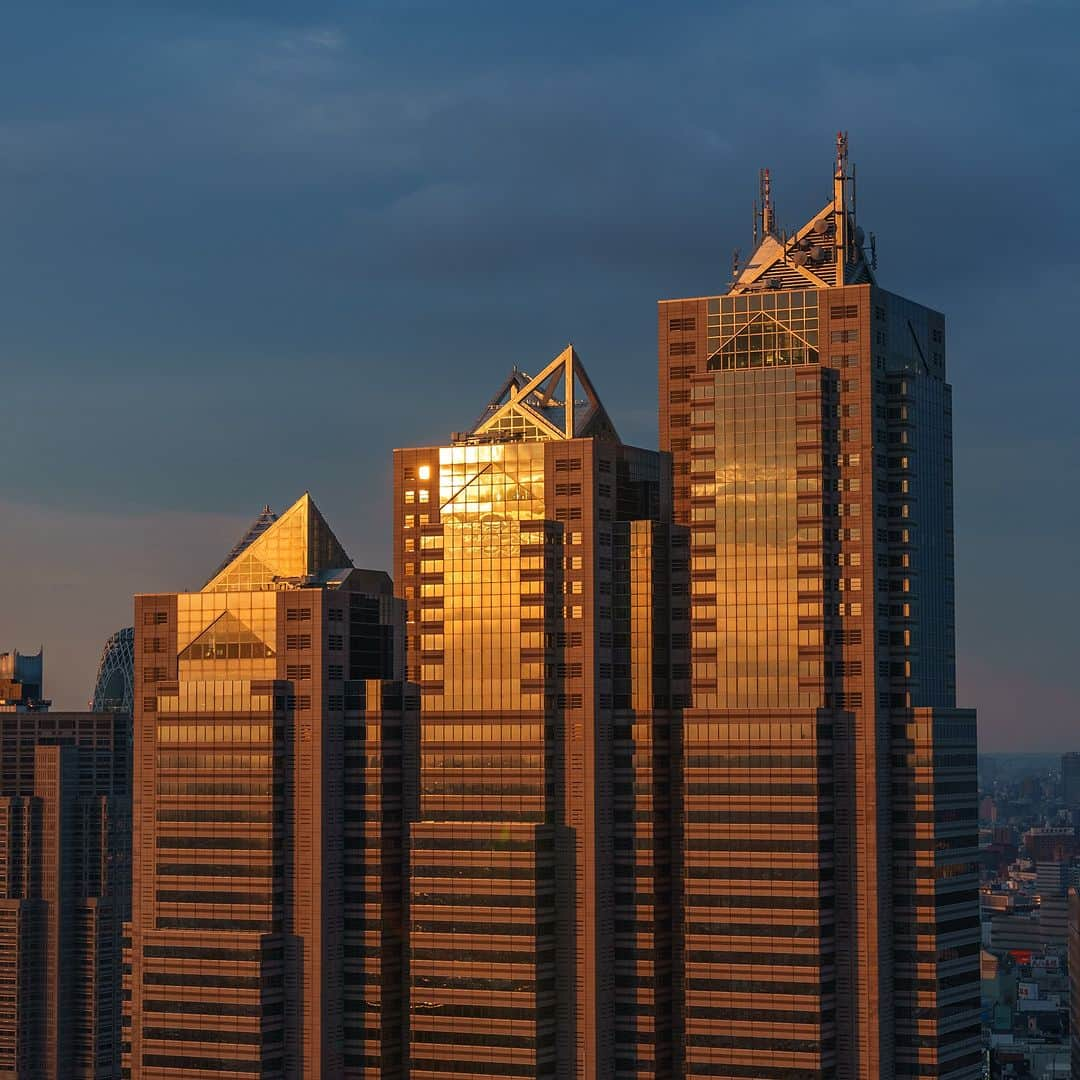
[424, 472]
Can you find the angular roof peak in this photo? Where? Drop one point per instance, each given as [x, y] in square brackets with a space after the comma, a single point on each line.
[287, 550]
[827, 252]
[559, 403]
[266, 518]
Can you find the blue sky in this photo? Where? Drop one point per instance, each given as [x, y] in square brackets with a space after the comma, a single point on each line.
[247, 248]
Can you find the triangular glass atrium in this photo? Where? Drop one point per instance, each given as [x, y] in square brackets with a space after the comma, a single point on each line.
[227, 638]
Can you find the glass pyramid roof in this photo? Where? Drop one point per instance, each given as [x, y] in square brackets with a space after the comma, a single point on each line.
[290, 550]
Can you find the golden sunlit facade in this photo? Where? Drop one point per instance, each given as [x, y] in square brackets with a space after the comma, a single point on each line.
[647, 766]
[809, 420]
[270, 746]
[533, 558]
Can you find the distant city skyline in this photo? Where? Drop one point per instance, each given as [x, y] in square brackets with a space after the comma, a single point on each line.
[202, 207]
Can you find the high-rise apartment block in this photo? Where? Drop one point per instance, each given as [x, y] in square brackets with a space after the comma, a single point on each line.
[64, 881]
[830, 920]
[270, 732]
[547, 606]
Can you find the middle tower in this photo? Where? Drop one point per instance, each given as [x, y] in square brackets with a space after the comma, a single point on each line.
[547, 603]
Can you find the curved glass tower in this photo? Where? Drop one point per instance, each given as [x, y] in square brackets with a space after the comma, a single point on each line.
[114, 685]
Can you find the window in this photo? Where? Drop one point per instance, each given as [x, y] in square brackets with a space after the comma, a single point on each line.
[682, 348]
[684, 324]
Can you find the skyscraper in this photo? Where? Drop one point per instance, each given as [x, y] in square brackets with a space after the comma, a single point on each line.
[64, 882]
[271, 730]
[547, 605]
[114, 684]
[1070, 779]
[830, 825]
[1074, 983]
[21, 681]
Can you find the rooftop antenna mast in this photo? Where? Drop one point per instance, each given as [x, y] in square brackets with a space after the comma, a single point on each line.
[840, 207]
[768, 218]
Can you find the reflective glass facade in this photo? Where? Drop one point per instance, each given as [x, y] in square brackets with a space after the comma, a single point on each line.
[772, 329]
[811, 436]
[538, 574]
[270, 761]
[759, 463]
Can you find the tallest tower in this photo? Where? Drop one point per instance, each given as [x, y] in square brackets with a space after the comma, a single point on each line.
[828, 827]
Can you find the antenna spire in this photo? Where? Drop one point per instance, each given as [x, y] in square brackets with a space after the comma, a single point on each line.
[841, 210]
[768, 219]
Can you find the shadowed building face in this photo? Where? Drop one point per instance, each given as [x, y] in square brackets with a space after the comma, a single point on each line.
[65, 846]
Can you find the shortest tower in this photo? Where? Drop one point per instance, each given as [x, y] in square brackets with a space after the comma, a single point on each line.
[271, 740]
